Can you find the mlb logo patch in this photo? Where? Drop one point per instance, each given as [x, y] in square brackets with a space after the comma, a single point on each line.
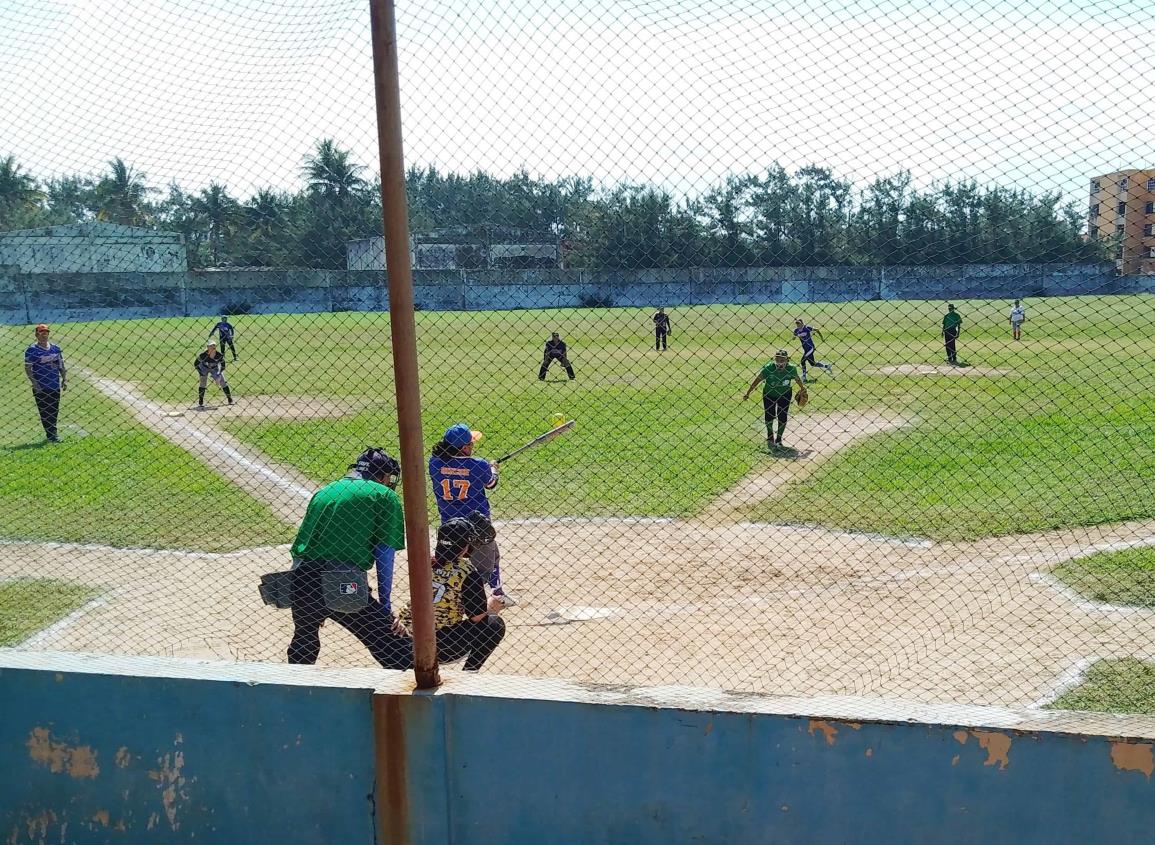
[348, 588]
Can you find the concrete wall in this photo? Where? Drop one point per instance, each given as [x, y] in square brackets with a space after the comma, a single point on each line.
[100, 749]
[61, 297]
[93, 248]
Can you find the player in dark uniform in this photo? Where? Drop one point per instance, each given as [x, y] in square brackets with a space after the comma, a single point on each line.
[951, 326]
[661, 329]
[211, 364]
[805, 335]
[467, 624]
[225, 329]
[554, 351]
[777, 379]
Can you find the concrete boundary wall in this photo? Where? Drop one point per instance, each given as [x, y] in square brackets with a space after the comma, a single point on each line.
[63, 297]
[100, 749]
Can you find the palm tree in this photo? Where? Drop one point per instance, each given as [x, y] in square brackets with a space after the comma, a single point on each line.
[121, 195]
[330, 174]
[218, 211]
[20, 195]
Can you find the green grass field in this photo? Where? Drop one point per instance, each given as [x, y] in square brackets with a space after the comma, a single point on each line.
[1065, 437]
[1124, 577]
[28, 605]
[112, 481]
[1113, 686]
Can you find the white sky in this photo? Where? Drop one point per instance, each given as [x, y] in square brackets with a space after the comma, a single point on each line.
[1039, 95]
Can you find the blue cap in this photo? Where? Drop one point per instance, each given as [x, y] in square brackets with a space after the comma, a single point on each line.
[459, 436]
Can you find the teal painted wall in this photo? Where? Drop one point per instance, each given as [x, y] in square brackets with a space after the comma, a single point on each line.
[103, 749]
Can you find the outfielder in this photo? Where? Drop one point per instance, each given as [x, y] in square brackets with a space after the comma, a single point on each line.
[805, 333]
[951, 328]
[777, 378]
[211, 364]
[225, 329]
[554, 351]
[459, 484]
[661, 329]
[1018, 316]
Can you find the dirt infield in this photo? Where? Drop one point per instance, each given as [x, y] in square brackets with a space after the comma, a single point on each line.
[274, 408]
[742, 607]
[938, 370]
[711, 601]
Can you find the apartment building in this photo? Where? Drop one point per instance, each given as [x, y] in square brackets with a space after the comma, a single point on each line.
[1123, 207]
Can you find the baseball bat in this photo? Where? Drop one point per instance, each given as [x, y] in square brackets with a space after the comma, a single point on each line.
[537, 441]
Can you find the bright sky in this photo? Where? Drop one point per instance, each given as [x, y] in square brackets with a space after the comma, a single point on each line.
[1039, 95]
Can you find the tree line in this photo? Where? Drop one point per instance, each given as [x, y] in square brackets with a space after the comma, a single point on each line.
[809, 217]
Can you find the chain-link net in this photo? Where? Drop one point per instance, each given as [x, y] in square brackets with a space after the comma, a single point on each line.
[848, 303]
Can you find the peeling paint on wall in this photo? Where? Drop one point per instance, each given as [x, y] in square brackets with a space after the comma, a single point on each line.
[1133, 757]
[828, 730]
[77, 761]
[997, 745]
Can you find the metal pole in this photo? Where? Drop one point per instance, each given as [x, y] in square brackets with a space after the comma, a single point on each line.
[396, 215]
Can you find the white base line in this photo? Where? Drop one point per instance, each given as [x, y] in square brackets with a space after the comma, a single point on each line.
[126, 397]
[62, 625]
[1083, 603]
[96, 547]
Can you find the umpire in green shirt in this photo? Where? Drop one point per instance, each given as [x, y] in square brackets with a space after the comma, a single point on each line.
[951, 326]
[347, 522]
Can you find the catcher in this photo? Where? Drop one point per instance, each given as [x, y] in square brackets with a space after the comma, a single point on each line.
[778, 378]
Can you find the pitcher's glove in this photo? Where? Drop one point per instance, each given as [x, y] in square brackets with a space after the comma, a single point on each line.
[803, 398]
[486, 533]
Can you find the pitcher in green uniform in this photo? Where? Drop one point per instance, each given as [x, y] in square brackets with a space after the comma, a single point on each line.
[951, 326]
[777, 378]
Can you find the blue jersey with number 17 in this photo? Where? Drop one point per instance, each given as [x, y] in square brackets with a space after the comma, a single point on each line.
[459, 485]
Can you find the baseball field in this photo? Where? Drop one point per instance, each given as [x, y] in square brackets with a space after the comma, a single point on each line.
[896, 548]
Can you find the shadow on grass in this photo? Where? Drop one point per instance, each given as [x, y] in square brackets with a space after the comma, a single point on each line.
[24, 447]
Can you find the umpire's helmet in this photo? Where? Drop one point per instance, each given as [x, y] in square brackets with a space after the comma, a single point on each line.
[376, 463]
[454, 537]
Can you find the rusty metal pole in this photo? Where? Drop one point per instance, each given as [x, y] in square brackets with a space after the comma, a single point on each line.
[396, 215]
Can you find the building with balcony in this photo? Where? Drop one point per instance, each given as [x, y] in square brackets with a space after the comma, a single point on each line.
[1122, 210]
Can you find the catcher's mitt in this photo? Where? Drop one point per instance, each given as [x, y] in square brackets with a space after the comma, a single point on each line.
[486, 533]
[803, 398]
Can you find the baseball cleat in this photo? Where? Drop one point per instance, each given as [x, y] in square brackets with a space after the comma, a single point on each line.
[507, 599]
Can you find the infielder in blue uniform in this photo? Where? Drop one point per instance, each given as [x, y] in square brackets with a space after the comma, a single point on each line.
[805, 334]
[460, 482]
[225, 329]
[44, 366]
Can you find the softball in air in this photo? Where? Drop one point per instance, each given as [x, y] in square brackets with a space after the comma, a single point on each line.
[557, 419]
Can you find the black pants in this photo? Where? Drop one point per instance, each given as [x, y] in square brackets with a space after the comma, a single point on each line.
[949, 338]
[808, 358]
[775, 408]
[659, 339]
[474, 641]
[228, 341]
[372, 625]
[48, 404]
[549, 359]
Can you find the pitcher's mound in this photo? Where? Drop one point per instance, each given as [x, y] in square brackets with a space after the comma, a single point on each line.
[939, 370]
[293, 407]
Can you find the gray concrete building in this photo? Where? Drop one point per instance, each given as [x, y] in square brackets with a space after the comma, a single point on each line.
[462, 248]
[92, 248]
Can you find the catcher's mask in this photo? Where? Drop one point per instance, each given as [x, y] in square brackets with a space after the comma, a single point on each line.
[377, 463]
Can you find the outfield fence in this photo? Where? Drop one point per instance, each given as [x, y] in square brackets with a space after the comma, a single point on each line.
[843, 459]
